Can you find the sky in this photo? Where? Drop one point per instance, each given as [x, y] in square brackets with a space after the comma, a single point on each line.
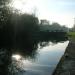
[61, 11]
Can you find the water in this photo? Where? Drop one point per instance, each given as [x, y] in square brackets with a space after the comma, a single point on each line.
[43, 60]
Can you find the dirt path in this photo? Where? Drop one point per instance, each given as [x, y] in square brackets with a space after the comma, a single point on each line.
[66, 66]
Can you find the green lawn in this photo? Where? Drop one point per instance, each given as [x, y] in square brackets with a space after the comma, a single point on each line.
[71, 35]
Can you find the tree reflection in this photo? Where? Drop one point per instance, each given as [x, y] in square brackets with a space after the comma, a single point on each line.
[27, 52]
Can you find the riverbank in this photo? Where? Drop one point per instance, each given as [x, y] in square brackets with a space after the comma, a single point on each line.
[66, 66]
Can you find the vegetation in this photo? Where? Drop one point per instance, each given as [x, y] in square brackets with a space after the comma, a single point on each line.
[23, 30]
[22, 33]
[71, 35]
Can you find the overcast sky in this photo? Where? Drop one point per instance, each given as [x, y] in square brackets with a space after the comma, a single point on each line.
[61, 11]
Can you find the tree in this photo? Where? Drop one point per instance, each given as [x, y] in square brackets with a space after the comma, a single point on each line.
[26, 29]
[4, 2]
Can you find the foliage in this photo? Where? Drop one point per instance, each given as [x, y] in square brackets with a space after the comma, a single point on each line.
[71, 35]
[23, 29]
[4, 2]
[54, 27]
[17, 28]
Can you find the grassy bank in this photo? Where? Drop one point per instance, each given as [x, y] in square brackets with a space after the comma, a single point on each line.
[71, 35]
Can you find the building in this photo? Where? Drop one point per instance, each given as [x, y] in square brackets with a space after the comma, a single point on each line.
[44, 22]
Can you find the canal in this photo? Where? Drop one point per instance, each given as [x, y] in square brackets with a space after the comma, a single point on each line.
[41, 61]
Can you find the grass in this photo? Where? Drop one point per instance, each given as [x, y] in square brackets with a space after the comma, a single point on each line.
[71, 35]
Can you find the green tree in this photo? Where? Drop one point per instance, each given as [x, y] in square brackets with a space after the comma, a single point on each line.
[26, 29]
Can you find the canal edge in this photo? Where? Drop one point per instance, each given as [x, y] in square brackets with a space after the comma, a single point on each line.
[58, 69]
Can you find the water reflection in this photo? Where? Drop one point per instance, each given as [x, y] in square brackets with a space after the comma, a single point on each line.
[16, 57]
[45, 62]
[39, 58]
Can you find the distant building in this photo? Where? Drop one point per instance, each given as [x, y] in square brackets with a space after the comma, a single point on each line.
[44, 22]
